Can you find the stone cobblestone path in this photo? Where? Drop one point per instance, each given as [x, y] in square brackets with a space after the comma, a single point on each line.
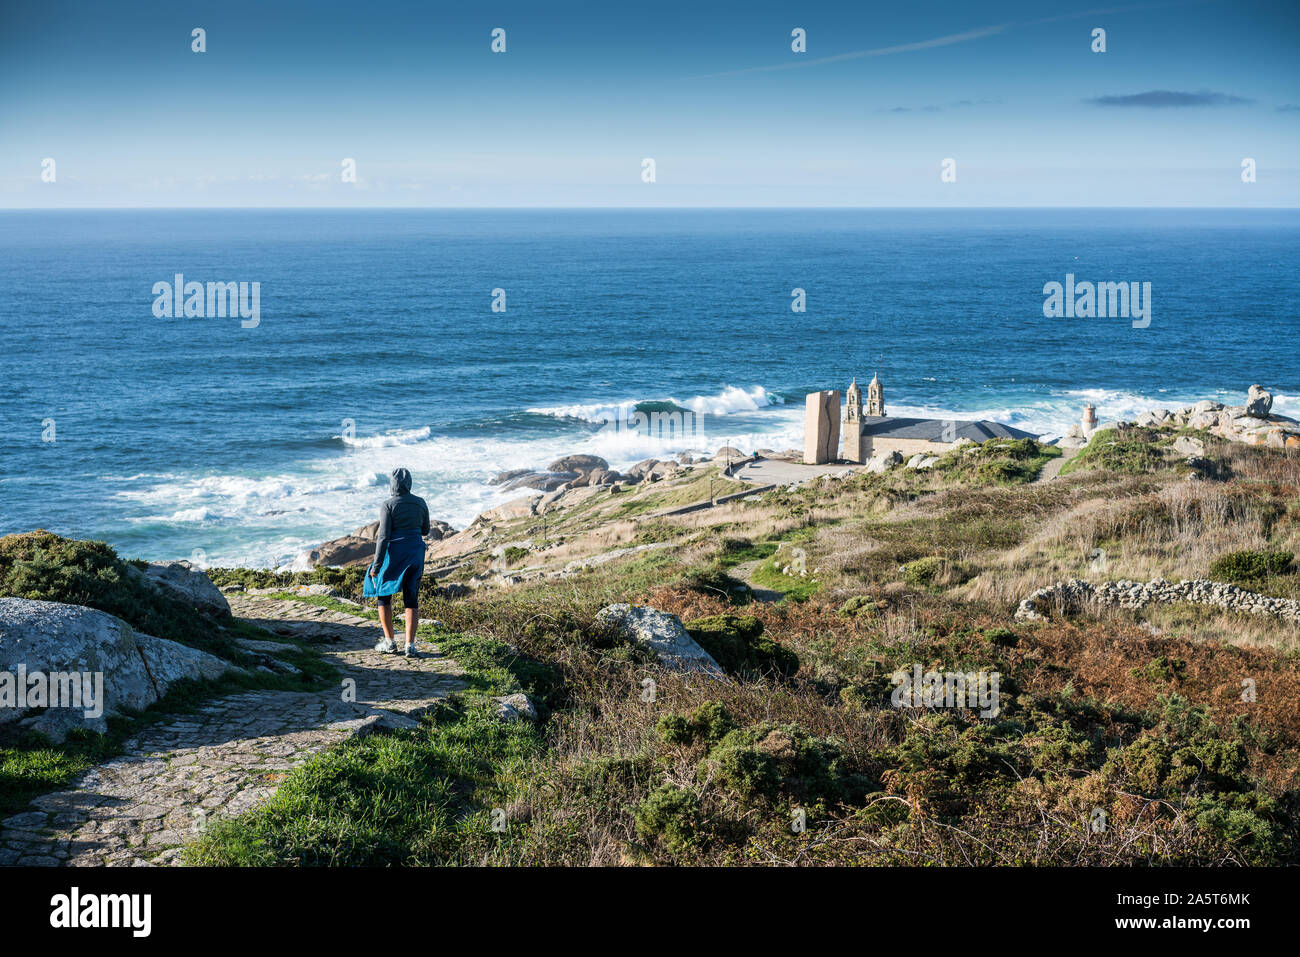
[177, 775]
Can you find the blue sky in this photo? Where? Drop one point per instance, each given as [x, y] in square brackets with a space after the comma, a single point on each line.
[712, 91]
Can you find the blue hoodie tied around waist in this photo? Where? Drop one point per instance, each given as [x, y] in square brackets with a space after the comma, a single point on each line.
[399, 544]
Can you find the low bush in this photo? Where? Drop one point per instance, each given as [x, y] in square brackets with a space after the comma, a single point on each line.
[1250, 566]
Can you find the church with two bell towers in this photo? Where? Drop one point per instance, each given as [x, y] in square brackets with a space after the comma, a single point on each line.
[857, 446]
[869, 433]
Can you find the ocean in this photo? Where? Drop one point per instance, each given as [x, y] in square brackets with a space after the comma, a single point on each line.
[377, 344]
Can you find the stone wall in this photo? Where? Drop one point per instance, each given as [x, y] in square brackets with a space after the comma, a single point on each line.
[905, 447]
[1076, 594]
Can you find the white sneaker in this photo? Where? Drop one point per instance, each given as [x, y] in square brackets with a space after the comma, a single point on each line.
[386, 646]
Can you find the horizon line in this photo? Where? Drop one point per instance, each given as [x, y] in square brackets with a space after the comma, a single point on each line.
[233, 208]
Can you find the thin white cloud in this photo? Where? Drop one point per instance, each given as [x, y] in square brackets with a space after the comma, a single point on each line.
[978, 33]
[944, 41]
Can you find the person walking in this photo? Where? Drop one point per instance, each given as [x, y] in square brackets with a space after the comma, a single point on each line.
[399, 559]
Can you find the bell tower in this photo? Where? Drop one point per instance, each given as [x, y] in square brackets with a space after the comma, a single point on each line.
[853, 439]
[875, 397]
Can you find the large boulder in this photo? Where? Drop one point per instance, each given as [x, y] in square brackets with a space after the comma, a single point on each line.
[438, 530]
[359, 547]
[513, 509]
[662, 633]
[639, 471]
[501, 478]
[578, 463]
[190, 584]
[1259, 402]
[884, 461]
[348, 550]
[50, 638]
[541, 481]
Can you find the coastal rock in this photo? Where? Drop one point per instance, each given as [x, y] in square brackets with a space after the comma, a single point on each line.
[661, 632]
[188, 582]
[348, 550]
[578, 463]
[1156, 418]
[515, 508]
[639, 471]
[1187, 445]
[727, 452]
[438, 530]
[541, 481]
[1259, 402]
[602, 477]
[501, 478]
[136, 669]
[550, 500]
[1248, 423]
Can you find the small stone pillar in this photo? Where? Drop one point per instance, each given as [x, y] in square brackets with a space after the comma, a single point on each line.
[1089, 419]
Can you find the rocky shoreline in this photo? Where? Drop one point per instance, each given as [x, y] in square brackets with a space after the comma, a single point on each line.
[1253, 423]
[572, 479]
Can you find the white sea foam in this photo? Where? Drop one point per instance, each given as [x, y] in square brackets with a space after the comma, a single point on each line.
[396, 437]
[730, 399]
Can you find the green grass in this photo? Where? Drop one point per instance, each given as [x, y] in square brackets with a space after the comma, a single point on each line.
[769, 575]
[737, 551]
[420, 797]
[1133, 452]
[31, 765]
[995, 462]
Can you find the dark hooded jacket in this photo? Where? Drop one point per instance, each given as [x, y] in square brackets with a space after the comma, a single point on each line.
[403, 512]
